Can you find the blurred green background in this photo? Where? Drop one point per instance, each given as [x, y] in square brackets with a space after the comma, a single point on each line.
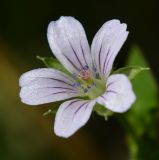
[24, 133]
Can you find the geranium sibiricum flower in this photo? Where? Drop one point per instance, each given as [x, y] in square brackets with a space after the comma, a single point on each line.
[90, 69]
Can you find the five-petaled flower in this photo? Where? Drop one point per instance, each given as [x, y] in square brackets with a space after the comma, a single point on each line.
[90, 69]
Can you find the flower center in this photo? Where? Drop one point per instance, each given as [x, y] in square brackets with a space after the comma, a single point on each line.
[85, 74]
[89, 82]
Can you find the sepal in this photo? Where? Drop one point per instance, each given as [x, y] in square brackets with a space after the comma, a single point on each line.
[102, 111]
[131, 71]
[51, 62]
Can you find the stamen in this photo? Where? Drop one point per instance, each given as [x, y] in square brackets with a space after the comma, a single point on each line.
[88, 86]
[86, 67]
[85, 73]
[94, 68]
[97, 75]
[93, 84]
[76, 84]
[85, 78]
[85, 90]
[74, 75]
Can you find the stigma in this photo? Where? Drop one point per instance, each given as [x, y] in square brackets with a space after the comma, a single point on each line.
[85, 79]
[85, 74]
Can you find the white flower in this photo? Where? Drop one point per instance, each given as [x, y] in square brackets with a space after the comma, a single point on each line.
[90, 69]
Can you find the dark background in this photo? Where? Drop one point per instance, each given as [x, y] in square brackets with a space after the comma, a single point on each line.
[24, 133]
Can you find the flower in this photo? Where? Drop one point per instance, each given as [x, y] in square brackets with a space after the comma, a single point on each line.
[90, 69]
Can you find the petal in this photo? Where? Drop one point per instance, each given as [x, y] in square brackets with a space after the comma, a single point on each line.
[45, 85]
[71, 116]
[119, 95]
[107, 43]
[69, 44]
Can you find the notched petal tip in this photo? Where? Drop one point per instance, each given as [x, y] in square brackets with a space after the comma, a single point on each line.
[67, 18]
[107, 43]
[68, 42]
[62, 19]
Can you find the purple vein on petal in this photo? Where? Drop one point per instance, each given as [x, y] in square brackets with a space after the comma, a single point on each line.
[64, 88]
[111, 91]
[82, 105]
[72, 102]
[86, 107]
[59, 80]
[109, 84]
[59, 93]
[58, 88]
[99, 58]
[66, 77]
[103, 97]
[71, 62]
[74, 51]
[83, 53]
[75, 54]
[106, 67]
[106, 60]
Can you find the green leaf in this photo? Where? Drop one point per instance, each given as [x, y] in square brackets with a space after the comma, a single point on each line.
[140, 121]
[102, 111]
[131, 71]
[51, 62]
[144, 85]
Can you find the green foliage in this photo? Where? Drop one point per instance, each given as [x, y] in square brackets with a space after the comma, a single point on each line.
[51, 62]
[102, 111]
[131, 71]
[140, 121]
[146, 92]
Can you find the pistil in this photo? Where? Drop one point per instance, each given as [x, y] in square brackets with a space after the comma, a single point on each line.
[87, 81]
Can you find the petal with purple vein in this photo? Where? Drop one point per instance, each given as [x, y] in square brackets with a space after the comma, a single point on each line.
[69, 44]
[119, 95]
[71, 116]
[41, 86]
[106, 44]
